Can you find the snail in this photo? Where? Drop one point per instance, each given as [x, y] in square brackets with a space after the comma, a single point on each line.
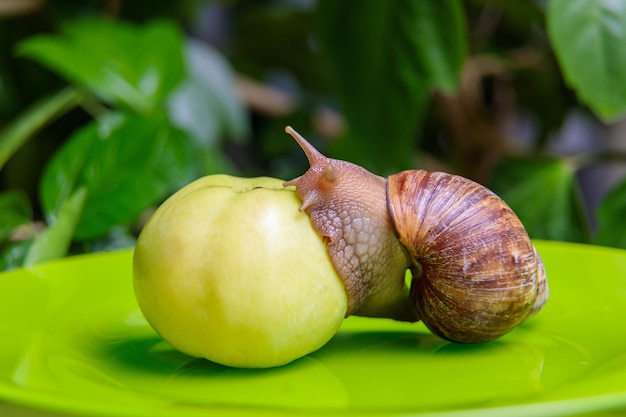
[475, 273]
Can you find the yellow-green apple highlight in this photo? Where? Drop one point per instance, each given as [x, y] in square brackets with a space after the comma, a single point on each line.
[230, 270]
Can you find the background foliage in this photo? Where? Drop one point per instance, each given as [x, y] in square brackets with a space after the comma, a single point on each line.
[109, 106]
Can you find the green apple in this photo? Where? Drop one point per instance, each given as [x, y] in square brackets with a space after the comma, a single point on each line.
[230, 270]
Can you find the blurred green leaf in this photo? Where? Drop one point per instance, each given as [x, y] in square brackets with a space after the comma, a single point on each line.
[284, 50]
[206, 104]
[611, 220]
[136, 66]
[213, 161]
[588, 37]
[387, 57]
[126, 162]
[542, 192]
[15, 210]
[116, 238]
[439, 33]
[54, 242]
[35, 118]
[14, 254]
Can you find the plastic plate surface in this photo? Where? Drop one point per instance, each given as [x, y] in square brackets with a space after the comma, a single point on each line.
[72, 340]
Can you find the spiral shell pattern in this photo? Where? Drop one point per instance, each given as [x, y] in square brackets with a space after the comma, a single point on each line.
[476, 274]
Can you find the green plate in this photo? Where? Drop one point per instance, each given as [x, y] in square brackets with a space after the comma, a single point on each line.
[72, 340]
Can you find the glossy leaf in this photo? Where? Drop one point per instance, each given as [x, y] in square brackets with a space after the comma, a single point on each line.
[15, 210]
[387, 57]
[542, 193]
[588, 37]
[137, 66]
[611, 219]
[54, 242]
[206, 104]
[126, 162]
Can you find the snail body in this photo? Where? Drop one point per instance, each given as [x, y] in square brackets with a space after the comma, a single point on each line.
[475, 273]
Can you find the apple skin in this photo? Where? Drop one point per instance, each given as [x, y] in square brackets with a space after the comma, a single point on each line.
[230, 270]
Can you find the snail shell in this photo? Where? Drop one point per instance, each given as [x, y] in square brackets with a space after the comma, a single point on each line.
[476, 274]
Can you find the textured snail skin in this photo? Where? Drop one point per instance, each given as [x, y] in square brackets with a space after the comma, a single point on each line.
[347, 206]
[476, 275]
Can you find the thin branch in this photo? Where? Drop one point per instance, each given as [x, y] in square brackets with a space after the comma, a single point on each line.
[36, 118]
[597, 158]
